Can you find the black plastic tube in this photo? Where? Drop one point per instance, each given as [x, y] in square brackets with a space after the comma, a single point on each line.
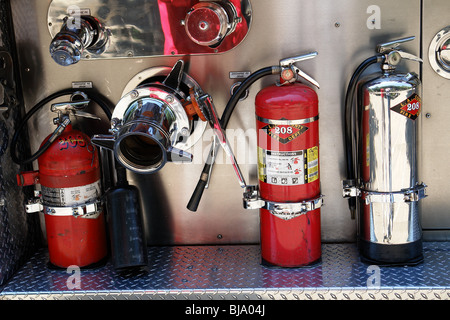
[96, 97]
[125, 224]
[348, 114]
[234, 99]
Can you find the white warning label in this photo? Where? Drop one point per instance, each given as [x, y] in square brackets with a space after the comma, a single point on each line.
[288, 168]
[66, 197]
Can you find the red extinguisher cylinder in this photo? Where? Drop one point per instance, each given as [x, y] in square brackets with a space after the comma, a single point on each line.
[69, 174]
[288, 171]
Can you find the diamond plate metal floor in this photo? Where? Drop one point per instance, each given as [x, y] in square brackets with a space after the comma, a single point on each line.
[235, 272]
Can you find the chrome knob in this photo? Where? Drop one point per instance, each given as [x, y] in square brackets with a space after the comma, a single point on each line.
[443, 54]
[66, 48]
[439, 53]
[77, 35]
[208, 23]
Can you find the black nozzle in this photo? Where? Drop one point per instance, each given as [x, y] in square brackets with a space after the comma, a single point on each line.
[128, 245]
[197, 194]
[125, 223]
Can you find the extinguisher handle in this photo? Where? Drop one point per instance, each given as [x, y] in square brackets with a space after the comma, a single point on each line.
[67, 106]
[409, 56]
[393, 54]
[306, 77]
[290, 71]
[73, 107]
[287, 62]
[392, 45]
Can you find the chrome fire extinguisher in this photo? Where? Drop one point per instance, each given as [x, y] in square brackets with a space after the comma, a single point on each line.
[70, 179]
[289, 194]
[382, 136]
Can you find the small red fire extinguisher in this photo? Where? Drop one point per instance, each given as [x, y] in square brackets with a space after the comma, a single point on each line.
[287, 118]
[70, 178]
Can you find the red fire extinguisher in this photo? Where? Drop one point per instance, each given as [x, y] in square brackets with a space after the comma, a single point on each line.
[288, 169]
[70, 178]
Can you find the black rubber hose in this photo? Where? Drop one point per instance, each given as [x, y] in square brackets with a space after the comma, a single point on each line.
[234, 99]
[96, 97]
[348, 115]
[255, 76]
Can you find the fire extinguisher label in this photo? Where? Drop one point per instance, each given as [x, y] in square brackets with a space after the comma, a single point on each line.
[66, 197]
[409, 108]
[288, 168]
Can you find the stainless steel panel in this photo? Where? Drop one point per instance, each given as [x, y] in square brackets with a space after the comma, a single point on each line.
[344, 35]
[157, 27]
[435, 135]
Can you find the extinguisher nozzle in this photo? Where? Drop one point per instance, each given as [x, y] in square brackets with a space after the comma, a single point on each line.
[353, 214]
[352, 207]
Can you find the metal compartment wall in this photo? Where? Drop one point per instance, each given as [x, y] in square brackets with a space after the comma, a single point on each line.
[435, 151]
[343, 36]
[19, 232]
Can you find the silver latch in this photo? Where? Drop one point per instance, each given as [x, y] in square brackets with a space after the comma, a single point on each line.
[34, 204]
[415, 194]
[349, 189]
[251, 198]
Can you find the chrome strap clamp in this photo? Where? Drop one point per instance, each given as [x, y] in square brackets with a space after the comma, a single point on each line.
[405, 195]
[87, 210]
[283, 210]
[287, 211]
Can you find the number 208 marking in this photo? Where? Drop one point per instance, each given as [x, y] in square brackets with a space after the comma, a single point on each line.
[283, 130]
[413, 106]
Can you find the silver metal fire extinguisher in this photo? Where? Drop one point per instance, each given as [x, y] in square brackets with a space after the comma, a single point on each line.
[382, 136]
